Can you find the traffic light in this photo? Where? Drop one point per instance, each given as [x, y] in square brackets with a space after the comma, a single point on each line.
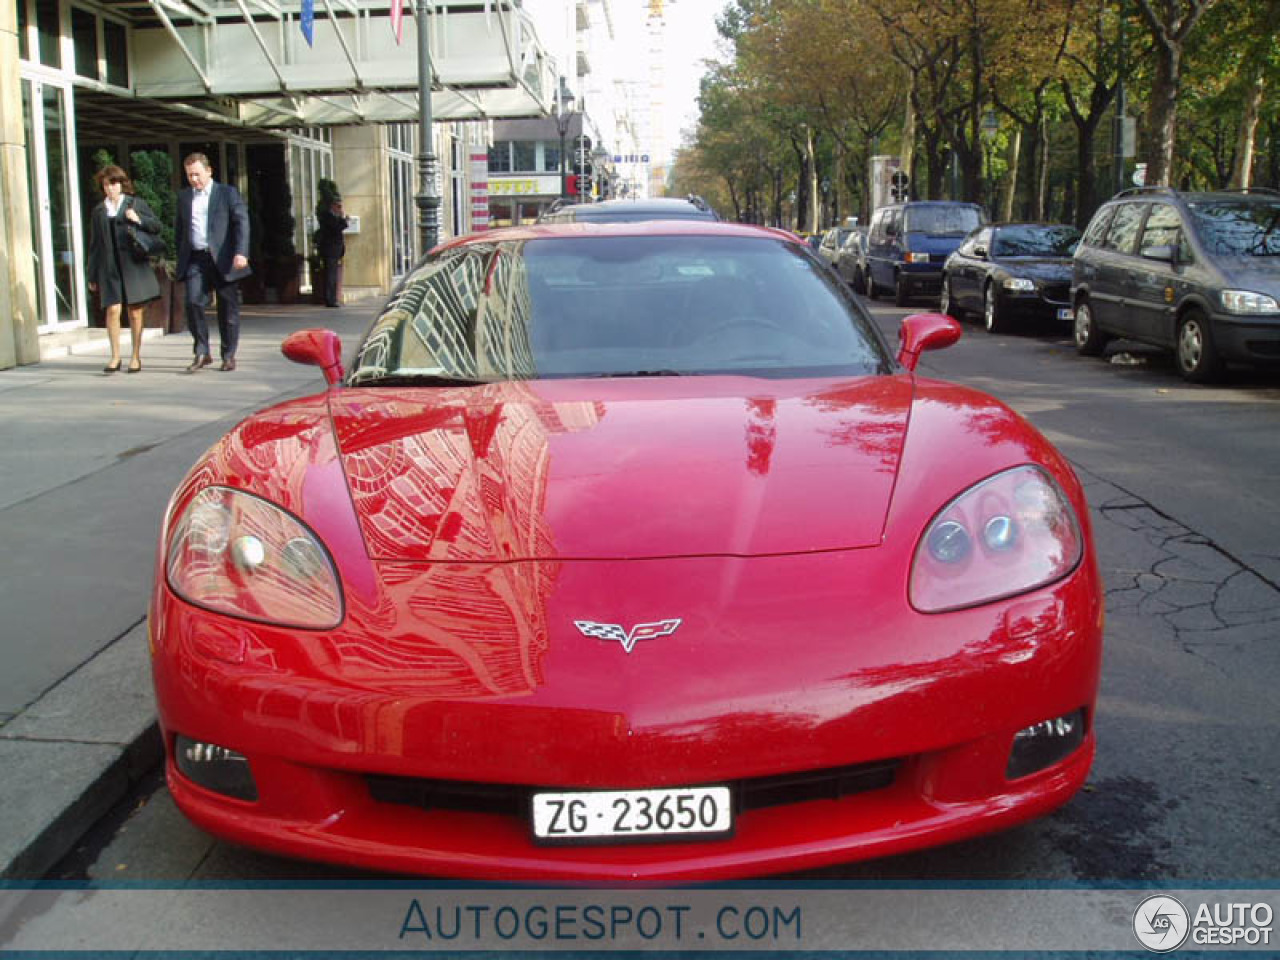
[900, 186]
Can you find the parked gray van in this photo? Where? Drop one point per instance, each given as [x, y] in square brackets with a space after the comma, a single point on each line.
[1197, 273]
[908, 243]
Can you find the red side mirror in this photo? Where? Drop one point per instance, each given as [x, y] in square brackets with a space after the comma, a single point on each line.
[319, 348]
[925, 331]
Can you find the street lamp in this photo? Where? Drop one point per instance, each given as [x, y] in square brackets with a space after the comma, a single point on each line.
[564, 110]
[427, 200]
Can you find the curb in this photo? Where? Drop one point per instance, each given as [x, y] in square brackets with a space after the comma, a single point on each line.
[61, 779]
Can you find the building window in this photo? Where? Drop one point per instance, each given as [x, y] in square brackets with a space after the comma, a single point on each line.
[500, 157]
[24, 45]
[84, 40]
[49, 30]
[117, 49]
[551, 157]
[525, 158]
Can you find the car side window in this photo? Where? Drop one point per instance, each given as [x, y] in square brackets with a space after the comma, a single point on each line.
[1124, 227]
[1163, 228]
[1098, 228]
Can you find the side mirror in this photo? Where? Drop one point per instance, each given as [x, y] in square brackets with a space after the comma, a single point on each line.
[925, 331]
[1166, 252]
[980, 252]
[319, 348]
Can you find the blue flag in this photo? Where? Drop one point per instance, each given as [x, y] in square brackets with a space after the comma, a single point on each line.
[309, 21]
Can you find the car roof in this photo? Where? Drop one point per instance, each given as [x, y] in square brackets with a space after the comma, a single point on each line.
[678, 208]
[629, 228]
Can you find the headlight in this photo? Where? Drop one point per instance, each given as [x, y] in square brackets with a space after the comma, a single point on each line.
[1245, 301]
[1021, 284]
[1009, 534]
[237, 554]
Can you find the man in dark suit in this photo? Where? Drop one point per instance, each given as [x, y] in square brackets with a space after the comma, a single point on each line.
[332, 247]
[212, 232]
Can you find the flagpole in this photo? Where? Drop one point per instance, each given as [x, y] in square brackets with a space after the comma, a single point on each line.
[427, 200]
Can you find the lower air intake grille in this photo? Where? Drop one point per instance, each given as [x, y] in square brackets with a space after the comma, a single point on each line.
[752, 794]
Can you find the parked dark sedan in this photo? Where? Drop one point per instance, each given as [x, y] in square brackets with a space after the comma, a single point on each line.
[1009, 270]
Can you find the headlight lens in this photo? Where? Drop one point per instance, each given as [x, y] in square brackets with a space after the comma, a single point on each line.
[1021, 284]
[1011, 533]
[237, 554]
[1246, 301]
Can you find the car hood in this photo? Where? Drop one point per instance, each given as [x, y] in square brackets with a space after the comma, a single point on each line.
[1037, 268]
[1258, 274]
[620, 469]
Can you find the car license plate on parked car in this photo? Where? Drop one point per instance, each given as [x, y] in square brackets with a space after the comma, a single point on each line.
[631, 814]
[1065, 313]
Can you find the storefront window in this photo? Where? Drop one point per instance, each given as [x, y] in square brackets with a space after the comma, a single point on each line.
[500, 213]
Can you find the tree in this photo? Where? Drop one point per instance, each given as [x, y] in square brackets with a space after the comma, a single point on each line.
[1170, 28]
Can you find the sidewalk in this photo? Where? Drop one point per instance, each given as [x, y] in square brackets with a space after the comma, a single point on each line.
[88, 466]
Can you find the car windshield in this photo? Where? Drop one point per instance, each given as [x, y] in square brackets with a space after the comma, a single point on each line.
[633, 306]
[1242, 227]
[943, 220]
[1035, 241]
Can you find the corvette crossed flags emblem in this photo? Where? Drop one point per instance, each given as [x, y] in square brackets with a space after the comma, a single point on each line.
[614, 631]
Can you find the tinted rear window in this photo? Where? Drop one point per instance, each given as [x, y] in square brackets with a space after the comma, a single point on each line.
[943, 220]
[1055, 241]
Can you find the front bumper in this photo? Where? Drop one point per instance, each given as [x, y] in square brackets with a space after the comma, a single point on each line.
[822, 677]
[1247, 339]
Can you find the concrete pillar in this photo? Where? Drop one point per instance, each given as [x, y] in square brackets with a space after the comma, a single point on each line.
[19, 343]
[360, 171]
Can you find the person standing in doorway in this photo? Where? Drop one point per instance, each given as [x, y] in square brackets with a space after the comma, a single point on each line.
[332, 248]
[212, 231]
[120, 281]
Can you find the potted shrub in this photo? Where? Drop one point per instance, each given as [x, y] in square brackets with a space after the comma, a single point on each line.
[153, 181]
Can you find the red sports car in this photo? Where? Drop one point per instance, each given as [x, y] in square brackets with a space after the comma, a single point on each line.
[625, 553]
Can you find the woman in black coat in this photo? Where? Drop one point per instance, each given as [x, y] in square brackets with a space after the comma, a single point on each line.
[119, 280]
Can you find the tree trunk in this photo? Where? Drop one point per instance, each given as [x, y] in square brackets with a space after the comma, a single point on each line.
[1242, 174]
[1042, 168]
[815, 196]
[1011, 181]
[1164, 115]
[907, 152]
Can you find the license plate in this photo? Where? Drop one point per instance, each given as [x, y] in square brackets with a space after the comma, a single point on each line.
[1066, 313]
[615, 815]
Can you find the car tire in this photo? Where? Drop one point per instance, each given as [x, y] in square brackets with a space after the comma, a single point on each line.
[901, 291]
[870, 289]
[858, 283]
[992, 318]
[948, 303]
[1198, 359]
[1090, 341]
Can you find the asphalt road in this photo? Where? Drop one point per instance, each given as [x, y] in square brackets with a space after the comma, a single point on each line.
[1184, 485]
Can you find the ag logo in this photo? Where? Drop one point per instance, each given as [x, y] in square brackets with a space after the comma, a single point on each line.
[1161, 923]
[628, 638]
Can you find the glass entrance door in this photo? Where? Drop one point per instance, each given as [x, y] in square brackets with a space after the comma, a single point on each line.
[55, 227]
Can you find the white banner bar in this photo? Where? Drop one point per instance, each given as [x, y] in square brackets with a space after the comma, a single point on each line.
[453, 920]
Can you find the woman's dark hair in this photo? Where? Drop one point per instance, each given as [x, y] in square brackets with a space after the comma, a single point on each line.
[113, 174]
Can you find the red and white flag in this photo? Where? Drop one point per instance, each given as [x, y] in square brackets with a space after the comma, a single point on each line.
[397, 19]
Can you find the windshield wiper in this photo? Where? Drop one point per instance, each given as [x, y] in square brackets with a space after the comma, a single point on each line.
[416, 380]
[638, 373]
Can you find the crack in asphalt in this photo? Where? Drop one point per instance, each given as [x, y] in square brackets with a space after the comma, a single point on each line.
[1204, 593]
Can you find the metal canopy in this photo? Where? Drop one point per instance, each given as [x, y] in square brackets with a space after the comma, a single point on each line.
[486, 58]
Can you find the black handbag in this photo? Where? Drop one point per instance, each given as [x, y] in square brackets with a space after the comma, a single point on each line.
[143, 245]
